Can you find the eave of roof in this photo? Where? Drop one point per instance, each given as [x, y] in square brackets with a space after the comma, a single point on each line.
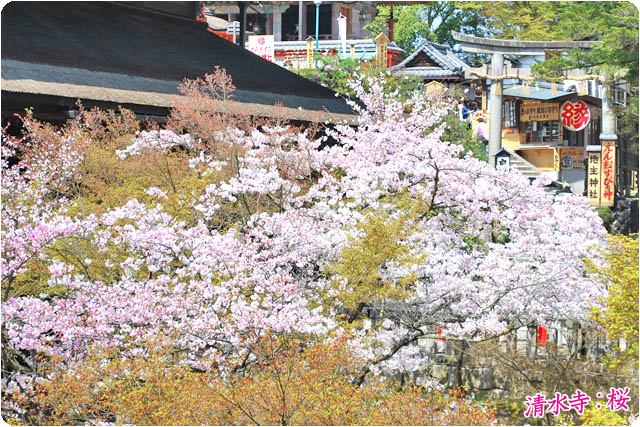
[539, 93]
[164, 100]
[78, 83]
[153, 50]
[432, 72]
[447, 60]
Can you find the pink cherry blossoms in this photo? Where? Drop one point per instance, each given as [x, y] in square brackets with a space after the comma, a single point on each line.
[494, 249]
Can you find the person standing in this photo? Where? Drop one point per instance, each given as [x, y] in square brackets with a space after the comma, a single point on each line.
[483, 134]
[463, 111]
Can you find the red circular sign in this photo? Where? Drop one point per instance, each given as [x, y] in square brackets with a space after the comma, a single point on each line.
[575, 116]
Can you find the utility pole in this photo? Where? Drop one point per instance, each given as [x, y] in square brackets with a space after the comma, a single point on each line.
[317, 3]
[243, 21]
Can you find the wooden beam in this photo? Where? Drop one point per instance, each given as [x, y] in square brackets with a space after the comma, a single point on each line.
[494, 45]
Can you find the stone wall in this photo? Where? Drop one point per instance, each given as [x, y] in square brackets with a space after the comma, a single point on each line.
[456, 363]
[624, 217]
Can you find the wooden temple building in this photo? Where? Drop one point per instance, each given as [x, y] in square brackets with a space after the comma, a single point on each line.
[135, 54]
[537, 127]
[565, 130]
[433, 62]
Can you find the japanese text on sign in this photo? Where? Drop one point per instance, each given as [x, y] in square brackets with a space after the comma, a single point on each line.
[572, 159]
[539, 111]
[538, 405]
[263, 46]
[593, 178]
[576, 116]
[608, 172]
[601, 175]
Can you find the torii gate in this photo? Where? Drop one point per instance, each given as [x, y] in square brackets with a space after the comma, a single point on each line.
[497, 48]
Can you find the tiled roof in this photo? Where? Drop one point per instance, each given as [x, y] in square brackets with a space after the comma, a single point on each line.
[539, 90]
[440, 54]
[432, 72]
[104, 47]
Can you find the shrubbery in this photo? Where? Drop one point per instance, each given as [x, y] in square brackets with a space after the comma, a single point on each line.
[213, 259]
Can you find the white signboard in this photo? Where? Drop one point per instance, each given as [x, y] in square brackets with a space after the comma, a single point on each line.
[233, 28]
[263, 46]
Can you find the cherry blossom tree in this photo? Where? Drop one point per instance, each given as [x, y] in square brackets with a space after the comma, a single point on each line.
[393, 225]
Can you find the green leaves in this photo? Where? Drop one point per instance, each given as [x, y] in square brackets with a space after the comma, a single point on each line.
[619, 314]
[433, 22]
[337, 74]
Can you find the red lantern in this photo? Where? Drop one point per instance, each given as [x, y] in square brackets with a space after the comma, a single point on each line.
[542, 336]
[576, 116]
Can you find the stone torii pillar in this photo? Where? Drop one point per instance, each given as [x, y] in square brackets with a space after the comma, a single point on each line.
[497, 48]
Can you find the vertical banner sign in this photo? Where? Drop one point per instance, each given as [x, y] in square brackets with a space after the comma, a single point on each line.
[310, 52]
[593, 178]
[556, 159]
[263, 46]
[381, 50]
[608, 173]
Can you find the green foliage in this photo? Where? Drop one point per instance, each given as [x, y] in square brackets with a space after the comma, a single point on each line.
[433, 22]
[336, 74]
[593, 416]
[605, 214]
[333, 73]
[458, 132]
[378, 241]
[520, 20]
[619, 314]
[551, 69]
[628, 121]
[613, 23]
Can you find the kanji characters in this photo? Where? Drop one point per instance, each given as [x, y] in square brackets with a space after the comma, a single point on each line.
[579, 400]
[558, 404]
[575, 116]
[608, 162]
[535, 406]
[617, 399]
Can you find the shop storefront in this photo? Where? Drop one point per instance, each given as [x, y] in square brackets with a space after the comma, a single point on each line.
[551, 130]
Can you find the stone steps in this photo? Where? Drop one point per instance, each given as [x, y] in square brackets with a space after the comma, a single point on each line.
[526, 168]
[531, 172]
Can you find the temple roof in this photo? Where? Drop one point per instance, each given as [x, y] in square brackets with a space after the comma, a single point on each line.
[431, 60]
[126, 54]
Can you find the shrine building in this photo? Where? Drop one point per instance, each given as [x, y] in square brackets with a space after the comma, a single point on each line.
[551, 129]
